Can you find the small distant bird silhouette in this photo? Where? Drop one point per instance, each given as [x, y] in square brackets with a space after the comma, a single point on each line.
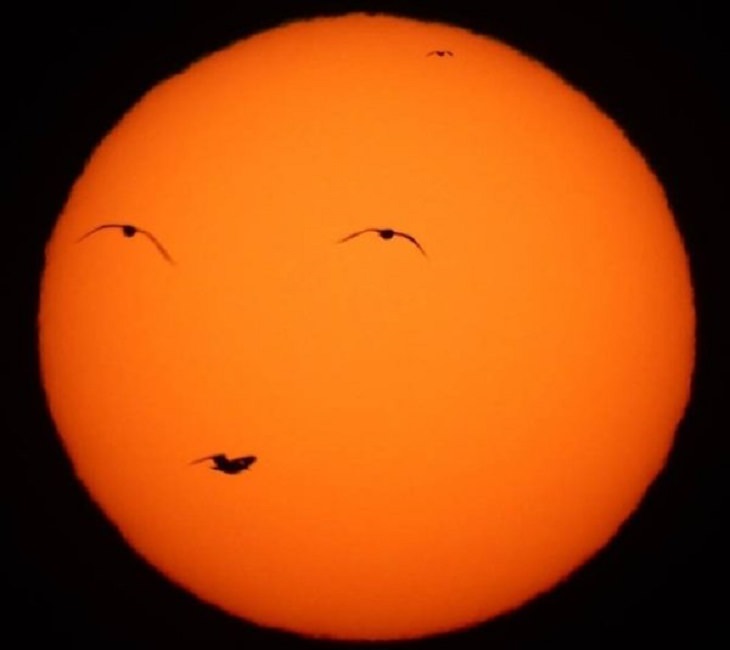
[227, 465]
[128, 230]
[440, 53]
[386, 233]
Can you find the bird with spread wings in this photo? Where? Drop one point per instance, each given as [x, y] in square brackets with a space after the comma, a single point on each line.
[128, 230]
[386, 233]
[222, 463]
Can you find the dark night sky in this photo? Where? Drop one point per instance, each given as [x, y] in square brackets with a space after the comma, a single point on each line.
[70, 74]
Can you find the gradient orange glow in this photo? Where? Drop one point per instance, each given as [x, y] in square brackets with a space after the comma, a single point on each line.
[439, 438]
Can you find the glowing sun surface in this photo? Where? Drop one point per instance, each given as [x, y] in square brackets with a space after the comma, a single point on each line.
[440, 433]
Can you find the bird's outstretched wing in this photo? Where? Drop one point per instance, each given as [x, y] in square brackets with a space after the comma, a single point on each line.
[356, 234]
[412, 239]
[159, 246]
[123, 226]
[214, 457]
[250, 460]
[102, 227]
[244, 462]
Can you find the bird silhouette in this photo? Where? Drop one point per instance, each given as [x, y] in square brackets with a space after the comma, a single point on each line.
[385, 233]
[128, 230]
[227, 465]
[440, 53]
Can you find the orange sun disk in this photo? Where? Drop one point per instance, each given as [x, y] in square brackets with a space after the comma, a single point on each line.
[438, 438]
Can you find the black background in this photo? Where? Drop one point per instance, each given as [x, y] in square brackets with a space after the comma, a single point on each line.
[69, 73]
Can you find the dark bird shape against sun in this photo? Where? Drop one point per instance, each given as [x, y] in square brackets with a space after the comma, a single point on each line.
[222, 463]
[128, 230]
[386, 233]
[441, 53]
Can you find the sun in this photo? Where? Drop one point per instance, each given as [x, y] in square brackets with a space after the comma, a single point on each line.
[419, 301]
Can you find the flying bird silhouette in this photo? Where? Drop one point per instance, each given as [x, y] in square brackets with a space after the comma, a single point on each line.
[385, 233]
[440, 53]
[227, 465]
[128, 230]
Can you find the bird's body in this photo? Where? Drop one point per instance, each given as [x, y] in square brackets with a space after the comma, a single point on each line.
[222, 463]
[386, 233]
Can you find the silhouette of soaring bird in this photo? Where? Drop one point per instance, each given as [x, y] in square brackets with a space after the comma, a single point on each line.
[386, 233]
[128, 230]
[227, 465]
[440, 53]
